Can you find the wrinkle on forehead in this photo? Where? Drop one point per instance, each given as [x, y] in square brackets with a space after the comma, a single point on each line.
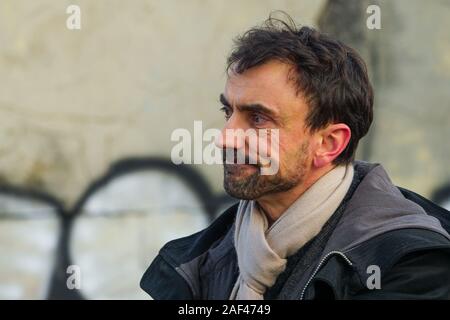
[269, 84]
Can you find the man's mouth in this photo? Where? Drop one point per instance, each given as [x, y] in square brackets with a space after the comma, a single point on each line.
[236, 169]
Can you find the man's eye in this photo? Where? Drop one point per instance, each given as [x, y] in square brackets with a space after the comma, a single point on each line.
[227, 112]
[258, 119]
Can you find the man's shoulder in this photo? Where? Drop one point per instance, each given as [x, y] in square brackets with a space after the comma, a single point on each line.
[377, 208]
[163, 279]
[188, 248]
[405, 263]
[410, 263]
[386, 249]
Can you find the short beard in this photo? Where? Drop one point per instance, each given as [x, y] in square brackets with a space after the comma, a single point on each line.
[256, 185]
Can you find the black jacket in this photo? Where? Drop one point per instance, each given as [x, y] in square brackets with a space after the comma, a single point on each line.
[377, 228]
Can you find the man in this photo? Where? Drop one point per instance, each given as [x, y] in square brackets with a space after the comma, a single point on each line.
[323, 226]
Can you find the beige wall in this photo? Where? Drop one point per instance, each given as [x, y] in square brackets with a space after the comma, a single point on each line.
[71, 102]
[411, 135]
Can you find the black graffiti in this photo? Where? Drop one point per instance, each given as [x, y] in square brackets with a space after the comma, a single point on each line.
[209, 201]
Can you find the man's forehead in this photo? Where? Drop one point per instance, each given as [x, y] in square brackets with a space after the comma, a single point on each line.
[265, 81]
[268, 83]
[272, 73]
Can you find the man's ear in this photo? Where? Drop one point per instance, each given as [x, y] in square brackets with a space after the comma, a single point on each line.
[332, 141]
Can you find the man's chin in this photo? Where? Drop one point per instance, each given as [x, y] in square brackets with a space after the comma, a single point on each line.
[245, 183]
[240, 182]
[240, 194]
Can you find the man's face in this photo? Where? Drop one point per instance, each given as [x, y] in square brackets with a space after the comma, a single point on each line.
[263, 98]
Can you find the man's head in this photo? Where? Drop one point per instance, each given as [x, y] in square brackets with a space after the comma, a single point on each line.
[313, 89]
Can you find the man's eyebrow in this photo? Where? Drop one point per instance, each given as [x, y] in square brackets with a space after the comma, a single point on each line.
[255, 107]
[224, 100]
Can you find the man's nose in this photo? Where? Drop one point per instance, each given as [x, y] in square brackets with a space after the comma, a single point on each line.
[229, 137]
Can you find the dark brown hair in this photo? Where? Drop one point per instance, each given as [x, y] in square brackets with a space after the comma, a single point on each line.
[331, 76]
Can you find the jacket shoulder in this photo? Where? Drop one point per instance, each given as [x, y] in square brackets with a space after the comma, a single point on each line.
[163, 279]
[162, 282]
[417, 275]
[409, 263]
[187, 248]
[430, 207]
[387, 250]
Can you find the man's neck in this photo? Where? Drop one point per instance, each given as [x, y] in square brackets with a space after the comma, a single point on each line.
[274, 205]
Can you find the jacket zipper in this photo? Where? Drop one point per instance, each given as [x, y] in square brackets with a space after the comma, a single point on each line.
[322, 261]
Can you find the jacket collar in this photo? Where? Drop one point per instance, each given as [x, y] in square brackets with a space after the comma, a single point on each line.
[377, 207]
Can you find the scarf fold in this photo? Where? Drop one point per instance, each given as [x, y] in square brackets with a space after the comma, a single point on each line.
[262, 251]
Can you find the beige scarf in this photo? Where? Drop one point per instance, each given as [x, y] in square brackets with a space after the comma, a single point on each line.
[262, 251]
